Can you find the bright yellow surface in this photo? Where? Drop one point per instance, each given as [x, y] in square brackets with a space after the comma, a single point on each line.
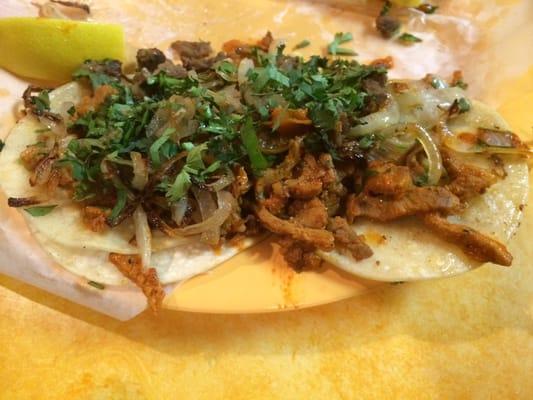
[52, 49]
[461, 338]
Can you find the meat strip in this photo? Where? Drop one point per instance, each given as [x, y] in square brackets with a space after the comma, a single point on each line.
[320, 238]
[419, 200]
[299, 255]
[468, 180]
[130, 265]
[150, 58]
[348, 240]
[473, 243]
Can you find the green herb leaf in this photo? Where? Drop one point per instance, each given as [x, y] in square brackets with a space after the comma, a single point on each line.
[304, 43]
[154, 148]
[194, 157]
[464, 105]
[40, 211]
[387, 5]
[96, 285]
[42, 102]
[408, 38]
[180, 187]
[227, 71]
[340, 38]
[122, 198]
[251, 144]
[461, 84]
[341, 51]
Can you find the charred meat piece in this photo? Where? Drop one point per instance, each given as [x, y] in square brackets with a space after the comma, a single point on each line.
[195, 55]
[347, 240]
[130, 265]
[473, 243]
[388, 26]
[319, 238]
[467, 181]
[309, 213]
[389, 193]
[418, 200]
[299, 255]
[37, 105]
[388, 179]
[150, 58]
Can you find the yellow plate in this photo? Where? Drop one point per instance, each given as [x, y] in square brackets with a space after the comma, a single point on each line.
[259, 280]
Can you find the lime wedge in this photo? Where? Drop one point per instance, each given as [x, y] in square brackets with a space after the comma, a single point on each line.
[51, 49]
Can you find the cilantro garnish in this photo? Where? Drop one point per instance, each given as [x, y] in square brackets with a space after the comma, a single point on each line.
[40, 211]
[304, 43]
[408, 38]
[341, 38]
[251, 144]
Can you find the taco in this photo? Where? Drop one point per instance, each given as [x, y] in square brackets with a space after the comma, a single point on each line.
[163, 173]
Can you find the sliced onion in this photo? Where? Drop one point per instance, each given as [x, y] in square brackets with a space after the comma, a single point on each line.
[226, 203]
[140, 171]
[222, 182]
[245, 65]
[460, 146]
[143, 235]
[57, 127]
[179, 209]
[207, 207]
[435, 167]
[372, 123]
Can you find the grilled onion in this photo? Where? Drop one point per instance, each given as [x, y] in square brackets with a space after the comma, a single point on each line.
[432, 152]
[375, 122]
[143, 235]
[140, 171]
[226, 203]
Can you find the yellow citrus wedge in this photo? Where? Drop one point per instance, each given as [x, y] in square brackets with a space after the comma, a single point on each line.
[51, 49]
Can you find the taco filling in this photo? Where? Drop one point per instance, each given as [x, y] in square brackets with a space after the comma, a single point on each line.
[325, 153]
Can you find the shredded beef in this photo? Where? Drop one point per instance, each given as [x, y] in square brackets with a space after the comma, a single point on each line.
[467, 181]
[318, 237]
[299, 255]
[150, 58]
[130, 265]
[348, 240]
[418, 200]
[473, 243]
[309, 213]
[195, 55]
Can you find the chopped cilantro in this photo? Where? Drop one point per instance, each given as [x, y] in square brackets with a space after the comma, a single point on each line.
[155, 155]
[180, 186]
[41, 101]
[122, 199]
[251, 144]
[341, 38]
[96, 285]
[408, 38]
[463, 104]
[304, 43]
[40, 211]
[387, 5]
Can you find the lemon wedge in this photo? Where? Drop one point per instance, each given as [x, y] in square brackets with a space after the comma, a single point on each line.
[51, 49]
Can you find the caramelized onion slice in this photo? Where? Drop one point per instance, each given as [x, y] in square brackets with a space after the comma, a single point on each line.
[226, 203]
[143, 236]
